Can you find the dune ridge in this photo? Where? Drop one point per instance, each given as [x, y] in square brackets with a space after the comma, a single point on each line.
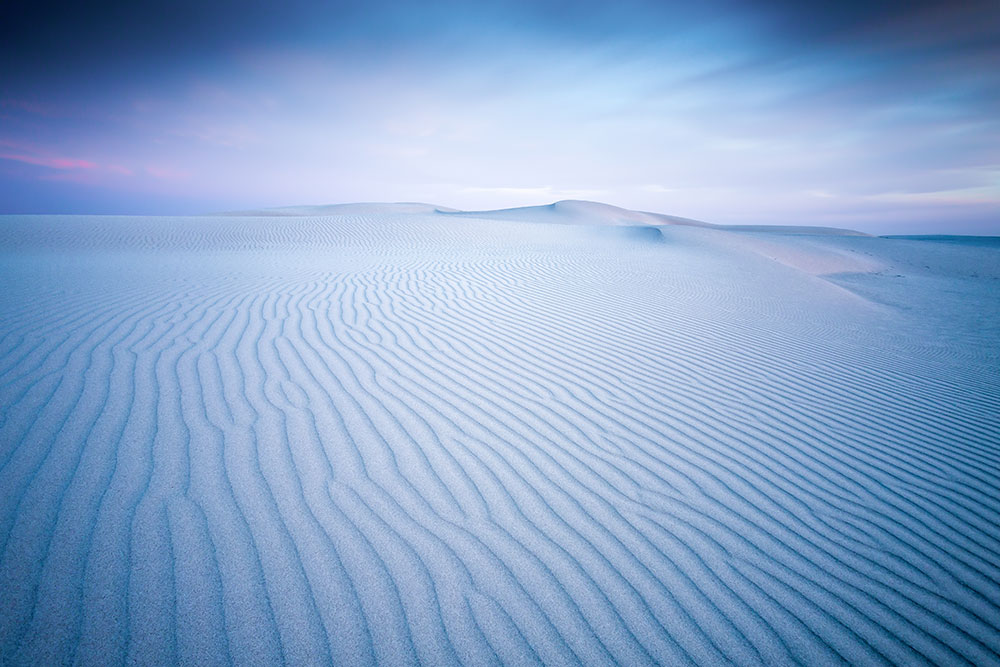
[568, 212]
[398, 437]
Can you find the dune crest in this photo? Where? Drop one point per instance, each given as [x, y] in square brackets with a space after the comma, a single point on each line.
[567, 212]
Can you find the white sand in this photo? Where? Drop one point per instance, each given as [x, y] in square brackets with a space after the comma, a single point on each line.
[395, 435]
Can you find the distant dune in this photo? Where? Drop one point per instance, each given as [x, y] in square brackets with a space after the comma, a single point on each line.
[343, 209]
[571, 212]
[397, 434]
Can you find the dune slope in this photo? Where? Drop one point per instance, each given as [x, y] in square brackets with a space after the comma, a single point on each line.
[403, 436]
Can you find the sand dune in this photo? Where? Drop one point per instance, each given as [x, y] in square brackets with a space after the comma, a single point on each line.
[389, 436]
[567, 212]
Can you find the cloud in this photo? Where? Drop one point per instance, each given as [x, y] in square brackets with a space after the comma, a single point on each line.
[538, 194]
[163, 173]
[50, 162]
[979, 195]
[28, 106]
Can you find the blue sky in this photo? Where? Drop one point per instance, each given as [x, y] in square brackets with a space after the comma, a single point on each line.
[883, 117]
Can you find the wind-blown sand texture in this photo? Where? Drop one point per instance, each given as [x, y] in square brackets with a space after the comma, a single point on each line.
[401, 435]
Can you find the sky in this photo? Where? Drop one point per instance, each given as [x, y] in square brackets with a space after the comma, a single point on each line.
[877, 116]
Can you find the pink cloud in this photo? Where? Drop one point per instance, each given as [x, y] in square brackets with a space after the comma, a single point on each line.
[50, 162]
